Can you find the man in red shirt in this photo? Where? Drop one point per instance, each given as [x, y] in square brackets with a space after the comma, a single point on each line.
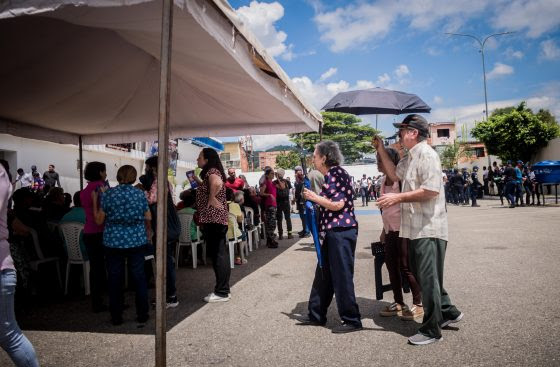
[234, 182]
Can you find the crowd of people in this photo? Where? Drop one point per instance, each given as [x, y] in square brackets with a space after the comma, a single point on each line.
[368, 188]
[516, 183]
[120, 225]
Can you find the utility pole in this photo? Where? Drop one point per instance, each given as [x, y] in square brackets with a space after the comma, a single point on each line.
[482, 43]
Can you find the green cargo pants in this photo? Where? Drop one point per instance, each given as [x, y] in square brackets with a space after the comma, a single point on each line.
[426, 258]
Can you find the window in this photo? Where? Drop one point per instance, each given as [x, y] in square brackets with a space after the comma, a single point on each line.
[443, 133]
[126, 147]
[225, 156]
[479, 152]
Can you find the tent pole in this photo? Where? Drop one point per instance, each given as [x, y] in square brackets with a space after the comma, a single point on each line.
[163, 163]
[81, 161]
[320, 130]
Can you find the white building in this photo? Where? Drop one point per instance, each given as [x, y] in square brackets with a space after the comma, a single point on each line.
[23, 153]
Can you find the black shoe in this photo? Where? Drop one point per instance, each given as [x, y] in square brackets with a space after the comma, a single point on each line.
[346, 328]
[307, 321]
[475, 205]
[305, 235]
[280, 237]
[512, 206]
[172, 302]
[272, 244]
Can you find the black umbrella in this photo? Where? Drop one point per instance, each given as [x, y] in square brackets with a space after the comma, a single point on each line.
[376, 101]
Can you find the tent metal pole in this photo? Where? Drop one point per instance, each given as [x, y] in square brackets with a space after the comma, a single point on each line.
[320, 130]
[163, 163]
[81, 161]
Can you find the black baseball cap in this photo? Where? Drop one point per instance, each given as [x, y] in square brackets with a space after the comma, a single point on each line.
[415, 121]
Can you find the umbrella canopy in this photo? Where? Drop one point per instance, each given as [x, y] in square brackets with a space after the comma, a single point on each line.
[90, 68]
[376, 101]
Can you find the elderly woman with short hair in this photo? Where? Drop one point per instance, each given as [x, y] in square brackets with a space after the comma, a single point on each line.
[124, 209]
[339, 231]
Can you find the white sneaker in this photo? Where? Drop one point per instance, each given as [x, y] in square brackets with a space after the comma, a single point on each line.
[448, 322]
[212, 298]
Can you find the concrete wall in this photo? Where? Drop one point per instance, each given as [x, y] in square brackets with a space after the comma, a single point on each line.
[24, 153]
[357, 171]
[549, 153]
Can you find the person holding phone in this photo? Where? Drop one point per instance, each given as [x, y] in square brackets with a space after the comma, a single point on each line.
[213, 213]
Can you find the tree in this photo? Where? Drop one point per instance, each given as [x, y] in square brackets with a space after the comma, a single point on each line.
[353, 137]
[288, 160]
[516, 133]
[452, 153]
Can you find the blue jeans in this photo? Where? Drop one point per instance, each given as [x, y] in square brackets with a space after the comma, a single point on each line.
[115, 258]
[510, 192]
[12, 339]
[336, 278]
[301, 212]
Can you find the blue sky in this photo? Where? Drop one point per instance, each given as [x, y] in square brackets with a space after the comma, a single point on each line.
[332, 46]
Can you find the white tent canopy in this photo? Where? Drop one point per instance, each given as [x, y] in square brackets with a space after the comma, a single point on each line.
[74, 68]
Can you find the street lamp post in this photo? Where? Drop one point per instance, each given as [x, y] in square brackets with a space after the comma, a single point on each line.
[482, 43]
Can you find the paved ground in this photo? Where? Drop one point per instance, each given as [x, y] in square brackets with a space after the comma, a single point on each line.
[501, 271]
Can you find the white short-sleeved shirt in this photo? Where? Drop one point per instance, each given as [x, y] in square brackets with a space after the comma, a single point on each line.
[421, 168]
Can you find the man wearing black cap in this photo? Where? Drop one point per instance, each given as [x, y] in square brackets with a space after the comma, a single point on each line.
[423, 222]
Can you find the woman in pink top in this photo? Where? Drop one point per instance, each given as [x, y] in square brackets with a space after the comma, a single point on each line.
[396, 251]
[96, 174]
[268, 193]
[12, 339]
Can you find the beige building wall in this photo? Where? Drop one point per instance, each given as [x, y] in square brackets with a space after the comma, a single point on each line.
[436, 140]
[549, 153]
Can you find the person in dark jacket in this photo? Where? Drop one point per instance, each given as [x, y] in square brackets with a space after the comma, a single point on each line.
[475, 186]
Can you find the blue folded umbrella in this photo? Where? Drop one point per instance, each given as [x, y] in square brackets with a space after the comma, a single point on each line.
[311, 220]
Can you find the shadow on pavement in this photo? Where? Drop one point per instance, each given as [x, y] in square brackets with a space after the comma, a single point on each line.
[51, 311]
[369, 309]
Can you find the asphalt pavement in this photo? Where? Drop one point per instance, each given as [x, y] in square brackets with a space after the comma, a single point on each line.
[501, 270]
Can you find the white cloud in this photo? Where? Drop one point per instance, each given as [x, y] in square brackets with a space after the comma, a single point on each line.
[319, 93]
[402, 71]
[549, 50]
[499, 71]
[510, 53]
[383, 80]
[534, 16]
[438, 100]
[432, 51]
[469, 114]
[260, 18]
[327, 74]
[354, 25]
[264, 142]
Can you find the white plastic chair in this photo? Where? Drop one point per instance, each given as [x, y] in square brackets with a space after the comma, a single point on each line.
[34, 265]
[232, 221]
[185, 240]
[71, 234]
[252, 234]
